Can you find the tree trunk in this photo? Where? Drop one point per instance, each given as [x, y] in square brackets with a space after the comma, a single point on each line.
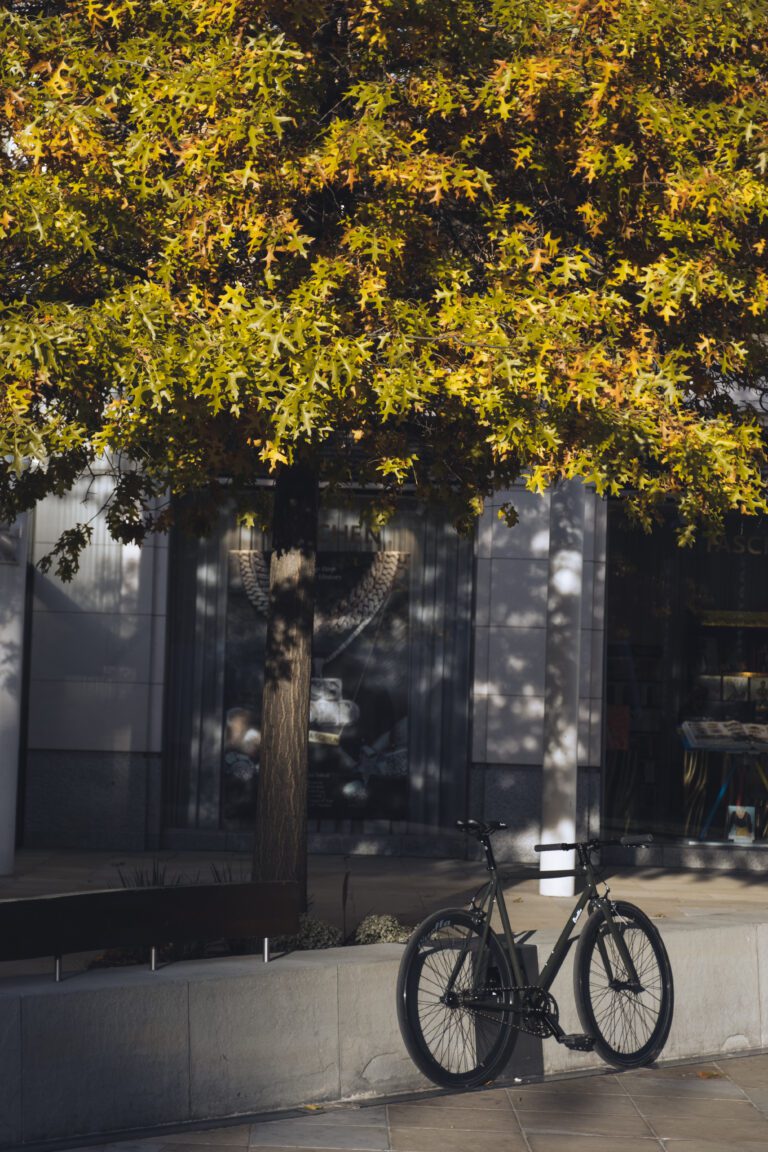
[280, 851]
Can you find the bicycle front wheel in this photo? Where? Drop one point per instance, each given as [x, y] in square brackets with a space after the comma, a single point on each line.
[629, 1019]
[446, 961]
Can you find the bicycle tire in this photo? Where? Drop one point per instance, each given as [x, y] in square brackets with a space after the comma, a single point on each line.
[629, 1026]
[454, 1046]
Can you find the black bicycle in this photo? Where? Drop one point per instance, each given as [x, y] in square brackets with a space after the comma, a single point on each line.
[463, 997]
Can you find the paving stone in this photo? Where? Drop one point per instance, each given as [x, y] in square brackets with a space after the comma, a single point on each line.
[236, 1136]
[746, 1071]
[443, 1140]
[659, 1107]
[594, 1125]
[659, 1086]
[758, 1097]
[329, 1130]
[484, 1099]
[735, 1144]
[599, 1084]
[575, 1103]
[466, 1119]
[544, 1142]
[200, 1147]
[708, 1128]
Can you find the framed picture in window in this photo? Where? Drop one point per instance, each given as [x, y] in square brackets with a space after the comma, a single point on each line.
[740, 824]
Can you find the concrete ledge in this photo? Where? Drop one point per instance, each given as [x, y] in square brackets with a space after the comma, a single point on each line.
[113, 1050]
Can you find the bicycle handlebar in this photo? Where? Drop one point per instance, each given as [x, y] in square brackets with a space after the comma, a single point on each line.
[640, 840]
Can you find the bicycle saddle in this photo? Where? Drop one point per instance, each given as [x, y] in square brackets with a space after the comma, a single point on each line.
[479, 827]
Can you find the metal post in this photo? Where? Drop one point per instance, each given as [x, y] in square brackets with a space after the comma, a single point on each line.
[153, 959]
[266, 950]
[57, 969]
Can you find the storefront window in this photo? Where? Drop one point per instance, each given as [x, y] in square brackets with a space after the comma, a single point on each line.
[687, 683]
[358, 721]
[388, 726]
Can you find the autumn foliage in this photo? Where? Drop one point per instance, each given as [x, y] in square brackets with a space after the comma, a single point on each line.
[430, 242]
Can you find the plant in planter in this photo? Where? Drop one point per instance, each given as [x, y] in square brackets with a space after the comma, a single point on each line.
[375, 929]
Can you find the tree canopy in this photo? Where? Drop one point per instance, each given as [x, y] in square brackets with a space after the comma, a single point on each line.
[430, 242]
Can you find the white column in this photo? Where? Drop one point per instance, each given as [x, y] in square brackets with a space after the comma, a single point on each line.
[13, 569]
[561, 683]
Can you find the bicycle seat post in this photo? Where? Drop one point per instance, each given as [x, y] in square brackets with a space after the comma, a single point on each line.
[490, 859]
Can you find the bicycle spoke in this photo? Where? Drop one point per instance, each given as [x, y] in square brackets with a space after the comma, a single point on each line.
[452, 1042]
[628, 1016]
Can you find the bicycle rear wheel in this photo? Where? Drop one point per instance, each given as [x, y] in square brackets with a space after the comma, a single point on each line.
[453, 1044]
[629, 1020]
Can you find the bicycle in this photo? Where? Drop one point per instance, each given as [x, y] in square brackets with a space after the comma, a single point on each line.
[463, 997]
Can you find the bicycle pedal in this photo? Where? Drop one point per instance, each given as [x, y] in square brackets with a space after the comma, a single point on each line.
[578, 1042]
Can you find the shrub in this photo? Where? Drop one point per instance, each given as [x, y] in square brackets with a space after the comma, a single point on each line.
[381, 930]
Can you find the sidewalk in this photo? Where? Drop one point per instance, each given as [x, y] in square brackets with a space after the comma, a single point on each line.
[714, 1106]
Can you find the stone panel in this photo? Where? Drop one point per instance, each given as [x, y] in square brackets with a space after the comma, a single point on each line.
[706, 970]
[111, 577]
[482, 641]
[516, 661]
[372, 1056]
[513, 794]
[265, 1037]
[10, 1070]
[483, 568]
[530, 536]
[93, 798]
[515, 729]
[518, 593]
[92, 716]
[109, 1053]
[479, 729]
[91, 646]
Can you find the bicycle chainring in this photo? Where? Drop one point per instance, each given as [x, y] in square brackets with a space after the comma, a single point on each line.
[531, 1010]
[538, 1012]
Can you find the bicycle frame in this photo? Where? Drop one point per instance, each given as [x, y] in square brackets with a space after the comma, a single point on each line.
[492, 895]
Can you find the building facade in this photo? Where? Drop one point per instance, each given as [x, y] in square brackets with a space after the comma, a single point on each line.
[557, 675]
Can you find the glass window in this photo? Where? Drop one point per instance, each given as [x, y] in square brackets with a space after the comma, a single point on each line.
[687, 682]
[388, 722]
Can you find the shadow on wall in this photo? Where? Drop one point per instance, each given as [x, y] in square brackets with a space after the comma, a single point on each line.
[12, 592]
[538, 666]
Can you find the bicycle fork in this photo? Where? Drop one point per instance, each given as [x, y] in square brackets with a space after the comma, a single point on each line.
[632, 982]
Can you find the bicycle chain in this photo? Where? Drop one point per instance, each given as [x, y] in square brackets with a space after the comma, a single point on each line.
[534, 1019]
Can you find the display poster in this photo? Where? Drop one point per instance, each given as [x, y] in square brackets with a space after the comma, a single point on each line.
[740, 823]
[358, 724]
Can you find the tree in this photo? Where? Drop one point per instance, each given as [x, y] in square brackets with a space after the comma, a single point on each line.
[345, 236]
